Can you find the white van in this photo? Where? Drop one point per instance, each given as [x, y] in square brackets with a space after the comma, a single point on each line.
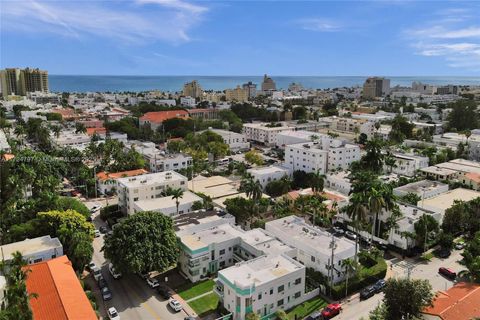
[97, 273]
[115, 274]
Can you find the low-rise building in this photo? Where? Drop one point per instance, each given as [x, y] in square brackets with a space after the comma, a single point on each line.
[321, 156]
[440, 174]
[59, 293]
[107, 181]
[264, 133]
[70, 138]
[33, 250]
[351, 125]
[167, 205]
[158, 160]
[265, 175]
[424, 189]
[146, 187]
[339, 181]
[286, 138]
[205, 113]
[236, 141]
[315, 247]
[156, 118]
[408, 164]
[445, 200]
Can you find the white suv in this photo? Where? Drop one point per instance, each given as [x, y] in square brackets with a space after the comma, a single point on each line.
[115, 274]
[152, 282]
[175, 305]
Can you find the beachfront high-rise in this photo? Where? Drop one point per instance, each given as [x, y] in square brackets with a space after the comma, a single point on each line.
[192, 89]
[268, 84]
[376, 87]
[15, 81]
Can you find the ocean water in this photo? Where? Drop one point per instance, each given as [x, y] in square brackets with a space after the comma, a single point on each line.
[81, 83]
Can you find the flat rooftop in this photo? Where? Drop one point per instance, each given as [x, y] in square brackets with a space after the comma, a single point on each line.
[268, 170]
[445, 200]
[166, 202]
[29, 246]
[437, 170]
[458, 167]
[295, 228]
[420, 186]
[151, 178]
[215, 186]
[185, 221]
[260, 270]
[304, 134]
[203, 238]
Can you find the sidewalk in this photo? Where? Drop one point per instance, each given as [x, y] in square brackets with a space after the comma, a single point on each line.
[186, 307]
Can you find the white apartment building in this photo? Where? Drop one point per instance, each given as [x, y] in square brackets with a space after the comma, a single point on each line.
[286, 138]
[33, 250]
[107, 181]
[263, 133]
[353, 126]
[408, 164]
[314, 246]
[262, 285]
[158, 160]
[339, 181]
[321, 156]
[167, 205]
[69, 138]
[32, 114]
[452, 139]
[443, 201]
[188, 102]
[236, 141]
[267, 174]
[146, 187]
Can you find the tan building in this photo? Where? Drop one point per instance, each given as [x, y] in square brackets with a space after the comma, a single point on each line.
[15, 81]
[376, 87]
[268, 84]
[238, 94]
[192, 89]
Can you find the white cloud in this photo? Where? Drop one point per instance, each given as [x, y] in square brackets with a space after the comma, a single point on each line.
[319, 25]
[455, 37]
[124, 21]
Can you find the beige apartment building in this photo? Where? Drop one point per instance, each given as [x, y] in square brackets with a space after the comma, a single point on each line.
[238, 94]
[15, 81]
[192, 89]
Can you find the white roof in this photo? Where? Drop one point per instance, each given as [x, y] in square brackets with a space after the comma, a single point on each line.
[268, 170]
[150, 178]
[29, 246]
[445, 200]
[166, 202]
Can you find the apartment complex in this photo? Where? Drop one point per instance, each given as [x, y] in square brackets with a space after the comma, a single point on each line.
[265, 175]
[236, 141]
[192, 89]
[156, 118]
[251, 89]
[14, 81]
[376, 87]
[356, 126]
[286, 138]
[146, 187]
[408, 164]
[424, 189]
[159, 160]
[321, 156]
[238, 94]
[107, 181]
[167, 205]
[264, 133]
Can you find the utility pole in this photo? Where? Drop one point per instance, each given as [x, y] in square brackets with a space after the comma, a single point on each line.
[332, 246]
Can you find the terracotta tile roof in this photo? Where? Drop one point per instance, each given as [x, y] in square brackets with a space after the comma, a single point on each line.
[8, 156]
[160, 116]
[92, 131]
[60, 295]
[115, 175]
[460, 302]
[65, 112]
[473, 176]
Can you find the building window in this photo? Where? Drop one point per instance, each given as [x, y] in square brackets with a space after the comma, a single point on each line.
[37, 260]
[281, 288]
[280, 303]
[271, 290]
[312, 258]
[135, 199]
[298, 281]
[297, 295]
[259, 296]
[222, 251]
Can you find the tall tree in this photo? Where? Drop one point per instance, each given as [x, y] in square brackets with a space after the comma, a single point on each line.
[142, 243]
[176, 195]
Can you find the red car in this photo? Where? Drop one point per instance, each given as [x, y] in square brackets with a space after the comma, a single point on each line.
[447, 272]
[331, 310]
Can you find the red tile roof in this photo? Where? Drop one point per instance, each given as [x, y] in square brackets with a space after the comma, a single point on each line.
[92, 131]
[473, 176]
[160, 116]
[462, 301]
[115, 175]
[60, 295]
[66, 113]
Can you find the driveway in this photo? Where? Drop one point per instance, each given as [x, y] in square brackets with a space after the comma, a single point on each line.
[356, 309]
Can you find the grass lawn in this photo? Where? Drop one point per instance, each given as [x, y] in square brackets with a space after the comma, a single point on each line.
[193, 290]
[304, 309]
[204, 304]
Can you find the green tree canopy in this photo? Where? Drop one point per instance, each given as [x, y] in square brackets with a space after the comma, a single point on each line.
[254, 157]
[464, 115]
[143, 242]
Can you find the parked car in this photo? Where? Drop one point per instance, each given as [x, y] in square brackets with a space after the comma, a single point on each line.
[442, 253]
[97, 273]
[165, 292]
[189, 318]
[113, 314]
[447, 272]
[367, 293]
[331, 310]
[95, 208]
[379, 285]
[115, 274]
[460, 245]
[97, 233]
[338, 231]
[175, 305]
[91, 266]
[350, 235]
[317, 315]
[103, 229]
[102, 283]
[106, 294]
[153, 283]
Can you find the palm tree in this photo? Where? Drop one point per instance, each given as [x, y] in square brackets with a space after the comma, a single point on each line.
[318, 182]
[357, 210]
[390, 162]
[56, 131]
[177, 194]
[349, 265]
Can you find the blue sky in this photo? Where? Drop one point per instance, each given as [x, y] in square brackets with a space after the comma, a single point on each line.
[179, 37]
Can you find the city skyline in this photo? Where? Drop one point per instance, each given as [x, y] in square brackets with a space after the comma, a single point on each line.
[173, 37]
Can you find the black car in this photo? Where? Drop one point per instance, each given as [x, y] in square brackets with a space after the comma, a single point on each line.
[103, 229]
[443, 253]
[379, 285]
[102, 283]
[367, 293]
[165, 292]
